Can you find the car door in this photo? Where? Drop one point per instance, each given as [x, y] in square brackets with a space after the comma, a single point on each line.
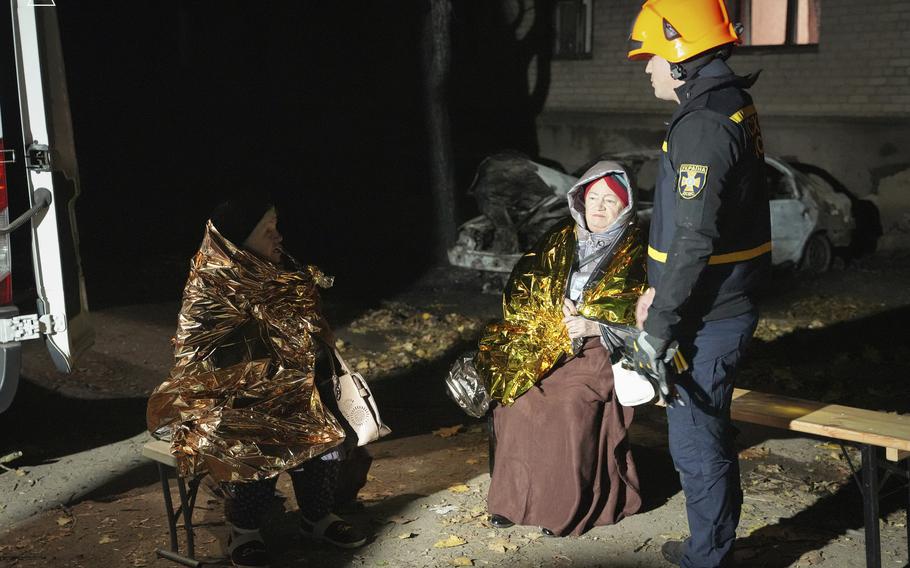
[47, 160]
[791, 220]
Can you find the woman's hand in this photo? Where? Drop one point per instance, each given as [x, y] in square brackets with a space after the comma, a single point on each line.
[641, 308]
[568, 308]
[579, 326]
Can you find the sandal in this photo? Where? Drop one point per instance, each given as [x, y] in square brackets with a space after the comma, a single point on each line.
[247, 549]
[333, 530]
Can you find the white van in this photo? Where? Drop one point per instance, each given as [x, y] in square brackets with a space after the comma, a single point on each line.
[42, 164]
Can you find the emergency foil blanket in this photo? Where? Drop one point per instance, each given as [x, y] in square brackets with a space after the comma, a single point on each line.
[518, 351]
[240, 402]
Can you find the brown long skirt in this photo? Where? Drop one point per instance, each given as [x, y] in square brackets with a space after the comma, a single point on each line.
[563, 459]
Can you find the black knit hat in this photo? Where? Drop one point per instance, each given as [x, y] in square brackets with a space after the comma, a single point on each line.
[236, 218]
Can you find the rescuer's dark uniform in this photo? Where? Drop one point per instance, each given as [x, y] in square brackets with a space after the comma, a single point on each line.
[710, 230]
[709, 245]
[710, 241]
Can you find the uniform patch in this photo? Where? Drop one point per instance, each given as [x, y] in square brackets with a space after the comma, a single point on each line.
[691, 180]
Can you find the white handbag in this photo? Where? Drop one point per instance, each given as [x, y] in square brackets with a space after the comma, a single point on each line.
[357, 405]
[631, 388]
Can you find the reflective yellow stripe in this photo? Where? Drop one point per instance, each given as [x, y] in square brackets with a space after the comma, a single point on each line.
[664, 146]
[743, 113]
[726, 258]
[656, 254]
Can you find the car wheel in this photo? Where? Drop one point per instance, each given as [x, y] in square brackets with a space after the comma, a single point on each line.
[817, 254]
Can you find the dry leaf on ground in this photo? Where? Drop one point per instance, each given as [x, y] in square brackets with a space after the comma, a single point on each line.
[450, 542]
[501, 546]
[754, 453]
[448, 432]
[461, 561]
[460, 488]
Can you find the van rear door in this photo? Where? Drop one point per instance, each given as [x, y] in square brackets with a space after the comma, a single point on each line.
[52, 174]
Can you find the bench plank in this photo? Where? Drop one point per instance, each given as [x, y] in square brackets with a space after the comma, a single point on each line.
[159, 451]
[822, 419]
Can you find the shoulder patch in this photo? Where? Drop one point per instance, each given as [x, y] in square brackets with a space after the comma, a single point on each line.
[691, 180]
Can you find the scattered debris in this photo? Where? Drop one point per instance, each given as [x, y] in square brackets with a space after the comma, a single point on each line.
[450, 542]
[754, 453]
[449, 431]
[502, 546]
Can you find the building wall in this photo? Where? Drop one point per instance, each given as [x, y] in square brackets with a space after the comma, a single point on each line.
[860, 68]
[844, 105]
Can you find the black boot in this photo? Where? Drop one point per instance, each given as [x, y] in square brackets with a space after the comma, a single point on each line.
[673, 551]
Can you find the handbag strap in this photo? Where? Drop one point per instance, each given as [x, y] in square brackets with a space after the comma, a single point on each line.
[337, 356]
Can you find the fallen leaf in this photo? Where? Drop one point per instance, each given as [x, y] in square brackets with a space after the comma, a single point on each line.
[460, 488]
[501, 546]
[448, 432]
[472, 461]
[399, 520]
[461, 561]
[450, 542]
[63, 521]
[754, 453]
[444, 509]
[407, 535]
[106, 539]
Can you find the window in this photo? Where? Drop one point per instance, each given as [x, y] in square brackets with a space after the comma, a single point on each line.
[573, 29]
[777, 22]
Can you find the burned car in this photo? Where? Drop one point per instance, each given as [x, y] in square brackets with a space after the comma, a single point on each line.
[811, 217]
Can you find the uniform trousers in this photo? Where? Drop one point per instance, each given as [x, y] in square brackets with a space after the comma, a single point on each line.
[702, 439]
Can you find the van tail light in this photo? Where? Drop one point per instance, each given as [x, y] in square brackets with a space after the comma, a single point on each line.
[6, 268]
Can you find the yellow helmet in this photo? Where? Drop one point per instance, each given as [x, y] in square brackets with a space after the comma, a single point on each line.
[678, 30]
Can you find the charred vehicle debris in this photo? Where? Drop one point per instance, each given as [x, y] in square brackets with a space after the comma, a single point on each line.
[814, 218]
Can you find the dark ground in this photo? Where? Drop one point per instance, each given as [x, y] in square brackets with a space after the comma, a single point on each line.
[837, 337]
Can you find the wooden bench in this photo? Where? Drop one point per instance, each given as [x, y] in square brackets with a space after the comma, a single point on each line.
[874, 432]
[160, 452]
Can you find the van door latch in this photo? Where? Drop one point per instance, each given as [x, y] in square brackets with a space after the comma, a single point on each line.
[38, 157]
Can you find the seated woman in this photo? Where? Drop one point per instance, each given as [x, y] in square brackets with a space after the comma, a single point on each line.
[562, 458]
[250, 393]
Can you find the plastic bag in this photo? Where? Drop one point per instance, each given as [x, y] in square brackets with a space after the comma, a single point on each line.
[466, 388]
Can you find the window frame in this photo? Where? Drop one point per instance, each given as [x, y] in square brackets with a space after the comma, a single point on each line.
[735, 8]
[586, 7]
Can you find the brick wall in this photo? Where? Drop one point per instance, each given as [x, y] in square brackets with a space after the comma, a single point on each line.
[844, 105]
[861, 67]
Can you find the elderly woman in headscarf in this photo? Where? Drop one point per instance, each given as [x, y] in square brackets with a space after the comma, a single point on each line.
[250, 395]
[563, 460]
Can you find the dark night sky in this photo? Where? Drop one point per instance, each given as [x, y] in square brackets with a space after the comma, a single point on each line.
[176, 104]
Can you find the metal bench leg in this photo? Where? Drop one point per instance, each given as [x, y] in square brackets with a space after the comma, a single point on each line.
[870, 506]
[169, 506]
[186, 507]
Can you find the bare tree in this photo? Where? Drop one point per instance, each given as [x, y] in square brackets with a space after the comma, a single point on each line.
[437, 59]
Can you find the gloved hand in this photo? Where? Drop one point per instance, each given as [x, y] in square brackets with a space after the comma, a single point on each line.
[652, 357]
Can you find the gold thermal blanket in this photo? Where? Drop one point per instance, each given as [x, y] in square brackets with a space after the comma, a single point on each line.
[518, 351]
[240, 402]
